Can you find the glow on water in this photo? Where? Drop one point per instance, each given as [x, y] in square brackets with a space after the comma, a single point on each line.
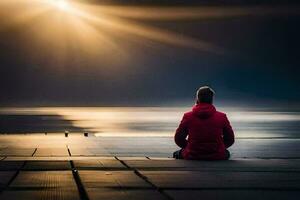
[162, 121]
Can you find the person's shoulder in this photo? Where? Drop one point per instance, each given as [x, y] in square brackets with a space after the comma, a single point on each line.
[221, 114]
[188, 114]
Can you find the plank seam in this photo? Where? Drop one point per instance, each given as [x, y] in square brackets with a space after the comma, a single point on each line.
[69, 152]
[146, 180]
[34, 152]
[13, 177]
[82, 192]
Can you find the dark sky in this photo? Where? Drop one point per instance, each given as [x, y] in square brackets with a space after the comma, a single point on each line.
[260, 62]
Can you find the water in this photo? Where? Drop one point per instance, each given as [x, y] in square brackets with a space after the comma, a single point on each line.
[143, 121]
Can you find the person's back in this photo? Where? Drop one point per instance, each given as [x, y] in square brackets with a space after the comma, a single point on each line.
[204, 133]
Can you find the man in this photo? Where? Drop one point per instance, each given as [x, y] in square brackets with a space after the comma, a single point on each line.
[204, 133]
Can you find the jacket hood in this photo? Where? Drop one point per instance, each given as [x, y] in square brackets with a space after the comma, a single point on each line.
[204, 110]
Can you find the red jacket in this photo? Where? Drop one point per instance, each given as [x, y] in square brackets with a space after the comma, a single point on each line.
[204, 133]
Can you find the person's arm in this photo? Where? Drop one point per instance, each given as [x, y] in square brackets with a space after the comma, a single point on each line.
[181, 133]
[228, 134]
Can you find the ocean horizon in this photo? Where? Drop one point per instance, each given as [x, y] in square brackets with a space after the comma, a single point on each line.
[247, 122]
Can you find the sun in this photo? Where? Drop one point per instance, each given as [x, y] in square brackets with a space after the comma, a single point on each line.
[62, 5]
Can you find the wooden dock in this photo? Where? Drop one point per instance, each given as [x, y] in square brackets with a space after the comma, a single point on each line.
[54, 167]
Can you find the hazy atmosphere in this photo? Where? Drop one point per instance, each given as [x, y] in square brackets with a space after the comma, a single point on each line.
[148, 53]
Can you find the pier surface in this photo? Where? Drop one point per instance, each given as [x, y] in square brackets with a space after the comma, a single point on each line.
[41, 166]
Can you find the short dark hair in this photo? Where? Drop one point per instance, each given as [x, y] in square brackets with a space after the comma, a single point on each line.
[205, 95]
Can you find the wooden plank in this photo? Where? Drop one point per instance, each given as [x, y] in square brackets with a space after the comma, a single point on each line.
[10, 165]
[140, 154]
[52, 152]
[89, 152]
[5, 178]
[123, 158]
[233, 194]
[47, 165]
[17, 151]
[44, 179]
[46, 194]
[111, 179]
[56, 158]
[266, 148]
[117, 194]
[241, 180]
[230, 165]
[98, 164]
[161, 158]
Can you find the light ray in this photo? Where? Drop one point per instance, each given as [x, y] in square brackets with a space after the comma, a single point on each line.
[155, 34]
[110, 23]
[190, 13]
[90, 39]
[17, 12]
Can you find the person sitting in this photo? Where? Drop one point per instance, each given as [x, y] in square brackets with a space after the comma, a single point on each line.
[204, 133]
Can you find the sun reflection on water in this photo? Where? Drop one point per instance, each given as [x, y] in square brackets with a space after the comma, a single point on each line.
[162, 121]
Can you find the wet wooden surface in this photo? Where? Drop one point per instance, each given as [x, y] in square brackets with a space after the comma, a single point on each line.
[111, 179]
[225, 179]
[5, 177]
[44, 167]
[38, 194]
[39, 145]
[44, 179]
[233, 194]
[149, 178]
[13, 151]
[47, 165]
[51, 152]
[99, 164]
[238, 165]
[124, 194]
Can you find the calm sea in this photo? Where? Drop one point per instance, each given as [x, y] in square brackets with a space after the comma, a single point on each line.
[143, 121]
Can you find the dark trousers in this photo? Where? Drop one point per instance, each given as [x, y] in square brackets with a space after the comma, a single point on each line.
[178, 154]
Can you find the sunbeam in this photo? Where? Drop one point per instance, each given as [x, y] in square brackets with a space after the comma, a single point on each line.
[95, 28]
[191, 13]
[71, 16]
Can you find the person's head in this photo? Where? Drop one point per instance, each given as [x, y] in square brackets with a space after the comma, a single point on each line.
[205, 95]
